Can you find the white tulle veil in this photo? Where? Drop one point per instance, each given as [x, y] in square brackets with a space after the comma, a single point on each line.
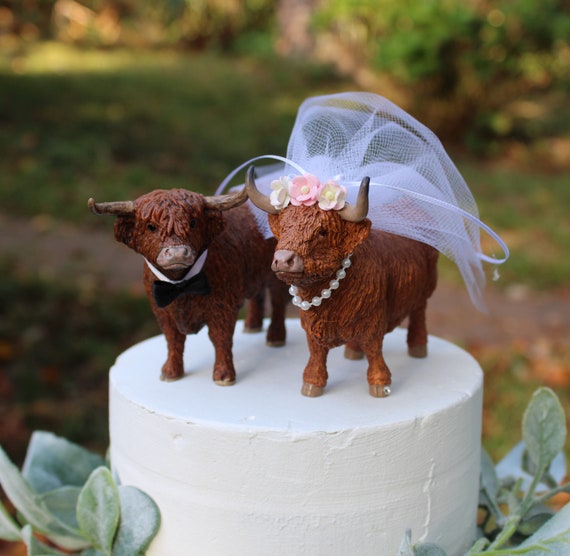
[415, 189]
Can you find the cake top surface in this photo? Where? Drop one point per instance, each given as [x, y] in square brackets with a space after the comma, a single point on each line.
[267, 394]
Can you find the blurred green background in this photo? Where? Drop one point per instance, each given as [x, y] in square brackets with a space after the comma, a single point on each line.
[113, 98]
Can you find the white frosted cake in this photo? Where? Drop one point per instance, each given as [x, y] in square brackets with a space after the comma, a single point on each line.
[258, 469]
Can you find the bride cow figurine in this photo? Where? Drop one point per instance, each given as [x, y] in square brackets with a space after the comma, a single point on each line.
[352, 283]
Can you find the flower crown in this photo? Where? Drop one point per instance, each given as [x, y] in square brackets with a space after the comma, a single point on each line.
[307, 190]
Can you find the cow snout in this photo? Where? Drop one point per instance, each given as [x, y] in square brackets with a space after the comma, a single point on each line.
[286, 261]
[175, 256]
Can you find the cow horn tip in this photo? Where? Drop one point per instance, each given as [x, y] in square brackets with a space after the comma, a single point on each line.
[92, 206]
[260, 200]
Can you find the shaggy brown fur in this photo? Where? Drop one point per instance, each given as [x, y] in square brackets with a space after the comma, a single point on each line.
[237, 268]
[391, 278]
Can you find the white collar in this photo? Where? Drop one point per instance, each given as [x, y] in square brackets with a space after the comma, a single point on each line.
[194, 269]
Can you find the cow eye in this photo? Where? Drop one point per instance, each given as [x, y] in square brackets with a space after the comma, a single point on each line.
[151, 227]
[193, 223]
[323, 232]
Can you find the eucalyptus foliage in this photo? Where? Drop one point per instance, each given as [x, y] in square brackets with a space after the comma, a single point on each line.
[513, 494]
[67, 495]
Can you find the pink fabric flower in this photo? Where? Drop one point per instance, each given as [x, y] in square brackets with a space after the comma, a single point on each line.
[304, 190]
[332, 196]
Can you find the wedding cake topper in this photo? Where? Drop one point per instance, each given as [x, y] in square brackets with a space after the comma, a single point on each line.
[360, 207]
[204, 256]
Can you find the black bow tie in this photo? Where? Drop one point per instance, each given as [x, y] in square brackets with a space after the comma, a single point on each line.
[165, 293]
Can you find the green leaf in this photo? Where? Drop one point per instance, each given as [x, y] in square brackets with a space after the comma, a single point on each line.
[35, 547]
[544, 428]
[489, 488]
[489, 479]
[9, 530]
[406, 548]
[531, 524]
[480, 545]
[517, 464]
[34, 510]
[139, 523]
[552, 538]
[53, 462]
[547, 480]
[62, 503]
[428, 549]
[98, 509]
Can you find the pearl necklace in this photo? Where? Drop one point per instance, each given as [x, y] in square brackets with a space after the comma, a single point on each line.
[325, 294]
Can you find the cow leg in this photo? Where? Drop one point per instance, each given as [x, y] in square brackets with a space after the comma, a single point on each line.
[315, 375]
[379, 377]
[221, 335]
[378, 374]
[276, 332]
[254, 314]
[352, 351]
[417, 332]
[173, 369]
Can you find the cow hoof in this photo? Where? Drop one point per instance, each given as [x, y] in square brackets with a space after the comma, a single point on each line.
[353, 354]
[380, 390]
[276, 336]
[252, 329]
[311, 390]
[225, 382]
[168, 378]
[418, 351]
[275, 343]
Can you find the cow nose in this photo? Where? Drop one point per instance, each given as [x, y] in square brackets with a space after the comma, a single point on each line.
[286, 261]
[175, 254]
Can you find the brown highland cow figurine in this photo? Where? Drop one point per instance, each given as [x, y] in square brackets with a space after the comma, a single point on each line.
[204, 257]
[353, 284]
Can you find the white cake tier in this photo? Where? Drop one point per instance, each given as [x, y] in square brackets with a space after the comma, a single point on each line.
[258, 469]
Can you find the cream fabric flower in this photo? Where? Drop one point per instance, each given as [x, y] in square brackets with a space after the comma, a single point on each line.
[332, 196]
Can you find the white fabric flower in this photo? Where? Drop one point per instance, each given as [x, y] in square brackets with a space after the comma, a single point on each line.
[279, 196]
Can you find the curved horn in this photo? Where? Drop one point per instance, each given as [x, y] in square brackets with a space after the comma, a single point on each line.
[358, 212]
[116, 207]
[225, 202]
[260, 200]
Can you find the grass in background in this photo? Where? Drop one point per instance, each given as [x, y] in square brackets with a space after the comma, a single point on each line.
[57, 343]
[530, 211]
[511, 376]
[114, 125]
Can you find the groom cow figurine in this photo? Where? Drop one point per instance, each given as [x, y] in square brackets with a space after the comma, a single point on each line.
[204, 256]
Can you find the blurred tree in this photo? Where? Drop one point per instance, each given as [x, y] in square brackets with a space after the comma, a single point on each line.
[25, 19]
[295, 36]
[76, 22]
[462, 66]
[463, 60]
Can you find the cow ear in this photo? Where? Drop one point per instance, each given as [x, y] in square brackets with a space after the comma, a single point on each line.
[356, 233]
[215, 222]
[273, 220]
[124, 229]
